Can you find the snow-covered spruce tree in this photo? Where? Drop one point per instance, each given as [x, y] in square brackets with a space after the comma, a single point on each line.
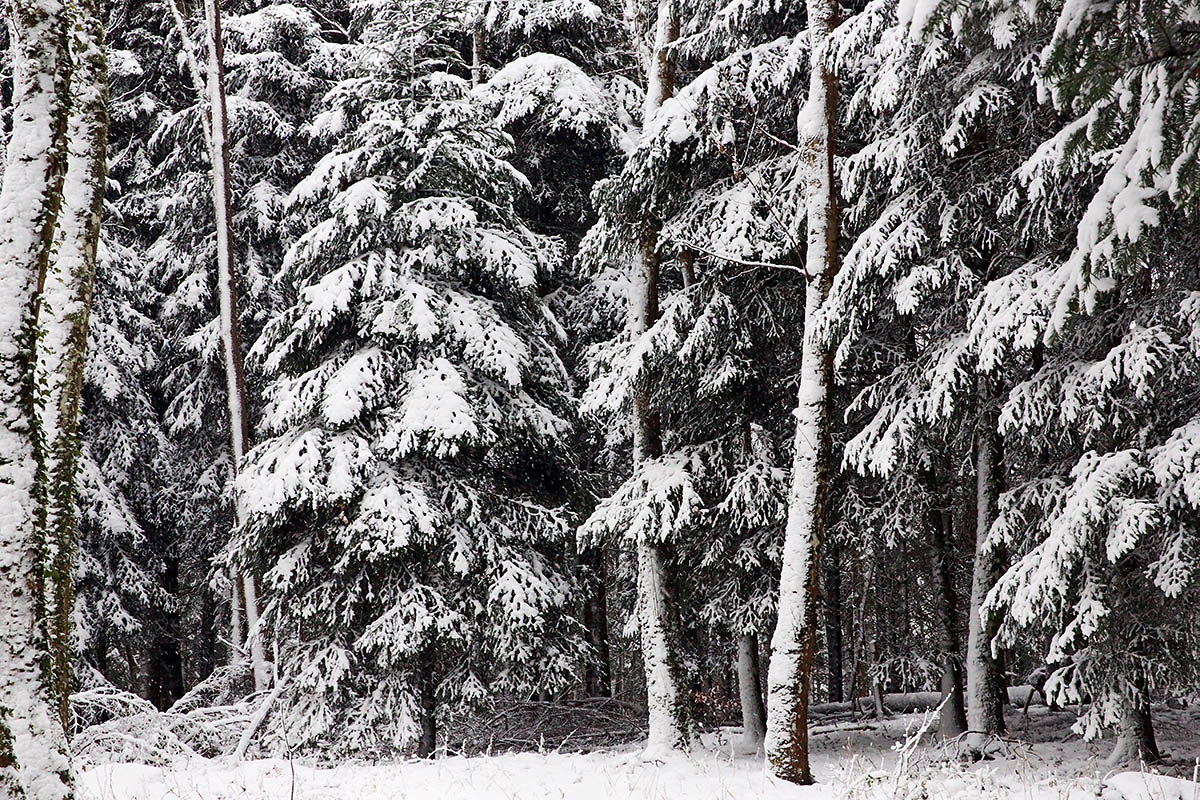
[569, 126]
[949, 114]
[404, 507]
[658, 499]
[569, 130]
[121, 596]
[1106, 523]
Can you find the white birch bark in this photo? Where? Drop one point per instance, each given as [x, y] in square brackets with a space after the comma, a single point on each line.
[669, 718]
[794, 642]
[34, 760]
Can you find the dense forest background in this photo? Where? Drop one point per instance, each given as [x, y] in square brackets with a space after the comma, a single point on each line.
[483, 383]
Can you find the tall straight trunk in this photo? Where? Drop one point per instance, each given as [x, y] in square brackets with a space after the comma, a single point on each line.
[833, 622]
[34, 760]
[868, 626]
[66, 304]
[985, 681]
[231, 338]
[754, 715]
[795, 637]
[658, 617]
[953, 719]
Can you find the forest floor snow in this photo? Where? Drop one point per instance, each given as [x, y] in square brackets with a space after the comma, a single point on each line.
[1039, 760]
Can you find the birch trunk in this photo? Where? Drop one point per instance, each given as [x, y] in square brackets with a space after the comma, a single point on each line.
[66, 303]
[34, 759]
[985, 682]
[795, 636]
[231, 339]
[667, 704]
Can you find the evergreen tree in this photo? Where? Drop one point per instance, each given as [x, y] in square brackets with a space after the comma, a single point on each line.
[404, 510]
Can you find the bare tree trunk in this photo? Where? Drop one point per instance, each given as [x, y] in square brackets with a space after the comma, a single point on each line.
[231, 336]
[833, 622]
[236, 646]
[795, 637]
[598, 673]
[869, 625]
[427, 743]
[953, 719]
[34, 759]
[754, 715]
[478, 45]
[216, 129]
[985, 681]
[670, 717]
[66, 304]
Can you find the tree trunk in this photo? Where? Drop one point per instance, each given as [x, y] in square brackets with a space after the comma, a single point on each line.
[478, 45]
[598, 672]
[231, 337]
[953, 719]
[34, 758]
[427, 743]
[799, 591]
[66, 304]
[985, 681]
[1135, 743]
[658, 623]
[754, 716]
[833, 622]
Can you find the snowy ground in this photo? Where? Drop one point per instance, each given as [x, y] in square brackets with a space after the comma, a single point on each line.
[1041, 761]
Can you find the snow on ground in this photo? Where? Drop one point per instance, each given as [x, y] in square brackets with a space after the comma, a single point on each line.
[1041, 761]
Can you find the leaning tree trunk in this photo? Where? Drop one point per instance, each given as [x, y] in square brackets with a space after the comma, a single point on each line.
[953, 719]
[658, 622]
[34, 760]
[985, 681]
[231, 338]
[65, 307]
[795, 637]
